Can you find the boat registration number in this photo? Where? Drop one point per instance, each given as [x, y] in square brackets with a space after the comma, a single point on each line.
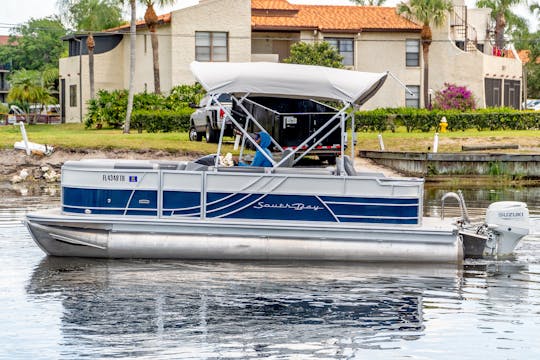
[119, 178]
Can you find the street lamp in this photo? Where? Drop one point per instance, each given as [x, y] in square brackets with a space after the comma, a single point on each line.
[430, 92]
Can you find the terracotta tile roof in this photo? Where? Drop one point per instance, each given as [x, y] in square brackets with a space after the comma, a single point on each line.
[327, 18]
[162, 19]
[282, 15]
[524, 56]
[272, 5]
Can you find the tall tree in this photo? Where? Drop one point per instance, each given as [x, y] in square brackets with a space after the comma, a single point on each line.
[151, 20]
[132, 53]
[38, 44]
[369, 2]
[530, 43]
[428, 13]
[504, 18]
[90, 16]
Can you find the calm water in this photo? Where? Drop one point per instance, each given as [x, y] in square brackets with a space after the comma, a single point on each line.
[53, 308]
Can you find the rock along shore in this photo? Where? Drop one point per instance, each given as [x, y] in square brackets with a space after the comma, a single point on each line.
[15, 161]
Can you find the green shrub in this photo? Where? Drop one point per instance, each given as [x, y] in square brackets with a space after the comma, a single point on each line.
[426, 120]
[109, 107]
[161, 120]
[182, 95]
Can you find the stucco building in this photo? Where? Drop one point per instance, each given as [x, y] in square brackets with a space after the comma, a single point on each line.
[369, 38]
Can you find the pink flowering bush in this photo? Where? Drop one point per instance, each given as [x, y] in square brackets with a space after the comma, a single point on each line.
[454, 97]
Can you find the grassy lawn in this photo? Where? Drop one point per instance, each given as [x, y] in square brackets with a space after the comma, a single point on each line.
[75, 136]
[528, 140]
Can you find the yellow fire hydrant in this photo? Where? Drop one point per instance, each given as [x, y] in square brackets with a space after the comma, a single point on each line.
[443, 124]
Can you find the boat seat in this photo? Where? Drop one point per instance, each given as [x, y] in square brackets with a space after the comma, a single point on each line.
[290, 160]
[370, 174]
[181, 166]
[170, 165]
[304, 171]
[193, 166]
[339, 166]
[238, 169]
[349, 166]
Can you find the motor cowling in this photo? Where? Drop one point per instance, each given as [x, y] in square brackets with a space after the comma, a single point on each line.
[509, 221]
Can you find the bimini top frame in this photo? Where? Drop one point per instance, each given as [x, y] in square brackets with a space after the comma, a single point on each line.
[240, 80]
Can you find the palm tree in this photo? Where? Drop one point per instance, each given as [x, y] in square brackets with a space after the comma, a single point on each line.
[132, 50]
[503, 16]
[91, 45]
[428, 13]
[90, 16]
[151, 20]
[28, 87]
[369, 2]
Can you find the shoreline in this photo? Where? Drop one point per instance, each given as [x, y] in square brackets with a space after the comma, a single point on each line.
[14, 161]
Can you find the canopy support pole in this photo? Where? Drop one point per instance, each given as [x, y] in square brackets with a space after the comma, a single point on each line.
[252, 118]
[244, 132]
[400, 82]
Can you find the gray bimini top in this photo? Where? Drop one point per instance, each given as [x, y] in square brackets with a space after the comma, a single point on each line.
[288, 80]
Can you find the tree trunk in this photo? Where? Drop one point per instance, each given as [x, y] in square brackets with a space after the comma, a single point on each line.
[151, 20]
[425, 55]
[90, 45]
[132, 49]
[427, 37]
[500, 24]
[155, 57]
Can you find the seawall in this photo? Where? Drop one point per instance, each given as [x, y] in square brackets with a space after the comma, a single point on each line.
[428, 164]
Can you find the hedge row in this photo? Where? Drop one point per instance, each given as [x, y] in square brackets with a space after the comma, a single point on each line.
[109, 107]
[425, 120]
[162, 120]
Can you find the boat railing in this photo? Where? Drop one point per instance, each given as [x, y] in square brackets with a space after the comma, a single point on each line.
[128, 189]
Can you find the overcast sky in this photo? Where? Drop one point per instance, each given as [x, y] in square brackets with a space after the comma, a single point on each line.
[13, 12]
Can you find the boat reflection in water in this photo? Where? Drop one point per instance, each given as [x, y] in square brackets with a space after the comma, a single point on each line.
[166, 307]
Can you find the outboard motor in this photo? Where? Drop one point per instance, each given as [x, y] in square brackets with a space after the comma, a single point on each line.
[508, 222]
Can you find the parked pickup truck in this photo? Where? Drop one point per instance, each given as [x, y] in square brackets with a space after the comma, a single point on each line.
[206, 120]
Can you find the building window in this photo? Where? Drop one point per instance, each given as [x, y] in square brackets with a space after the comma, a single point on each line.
[493, 93]
[211, 46]
[412, 56]
[72, 95]
[512, 91]
[412, 100]
[345, 47]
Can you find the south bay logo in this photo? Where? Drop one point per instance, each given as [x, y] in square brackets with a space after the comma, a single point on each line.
[295, 206]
